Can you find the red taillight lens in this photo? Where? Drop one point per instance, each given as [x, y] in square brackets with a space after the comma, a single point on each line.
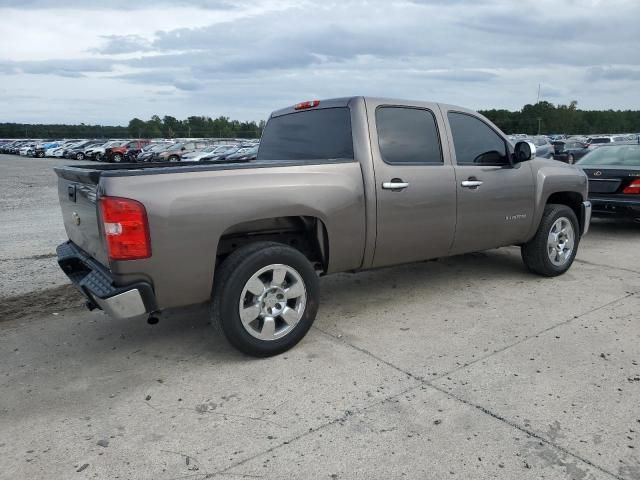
[633, 187]
[126, 228]
[305, 105]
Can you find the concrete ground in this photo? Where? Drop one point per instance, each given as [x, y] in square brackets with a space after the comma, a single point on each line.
[30, 224]
[467, 367]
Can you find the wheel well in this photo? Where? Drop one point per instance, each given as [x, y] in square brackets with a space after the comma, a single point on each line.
[306, 234]
[572, 200]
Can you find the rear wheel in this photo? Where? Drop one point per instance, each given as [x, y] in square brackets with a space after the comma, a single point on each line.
[265, 298]
[117, 157]
[174, 158]
[98, 157]
[80, 156]
[553, 248]
[40, 154]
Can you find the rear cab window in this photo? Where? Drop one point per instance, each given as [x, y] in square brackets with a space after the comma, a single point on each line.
[308, 135]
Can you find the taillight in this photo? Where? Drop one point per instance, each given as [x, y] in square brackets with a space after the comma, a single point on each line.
[633, 187]
[126, 228]
[305, 105]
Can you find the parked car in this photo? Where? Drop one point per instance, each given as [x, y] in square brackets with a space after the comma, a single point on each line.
[78, 151]
[614, 179]
[209, 151]
[26, 150]
[119, 153]
[40, 150]
[148, 152]
[595, 142]
[96, 152]
[434, 179]
[570, 151]
[544, 149]
[175, 152]
[244, 154]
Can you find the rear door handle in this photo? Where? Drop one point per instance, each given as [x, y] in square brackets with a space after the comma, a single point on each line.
[395, 184]
[471, 183]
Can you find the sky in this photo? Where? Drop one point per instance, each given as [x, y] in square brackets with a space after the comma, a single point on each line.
[75, 61]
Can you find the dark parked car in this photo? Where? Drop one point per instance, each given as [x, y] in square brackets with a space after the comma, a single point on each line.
[77, 152]
[614, 179]
[570, 151]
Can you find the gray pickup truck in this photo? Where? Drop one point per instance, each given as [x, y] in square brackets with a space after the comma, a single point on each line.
[338, 185]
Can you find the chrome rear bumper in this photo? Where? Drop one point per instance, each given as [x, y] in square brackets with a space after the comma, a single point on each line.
[99, 287]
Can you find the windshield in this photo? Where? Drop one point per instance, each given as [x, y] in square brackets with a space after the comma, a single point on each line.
[623, 156]
[174, 147]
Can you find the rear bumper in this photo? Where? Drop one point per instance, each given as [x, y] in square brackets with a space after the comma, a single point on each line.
[604, 206]
[97, 284]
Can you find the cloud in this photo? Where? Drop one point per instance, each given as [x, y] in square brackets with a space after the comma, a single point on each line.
[248, 59]
[613, 73]
[116, 44]
[116, 4]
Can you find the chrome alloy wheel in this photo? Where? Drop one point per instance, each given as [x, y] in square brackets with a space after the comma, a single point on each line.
[272, 302]
[561, 241]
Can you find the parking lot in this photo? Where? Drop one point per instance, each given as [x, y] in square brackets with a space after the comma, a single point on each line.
[467, 367]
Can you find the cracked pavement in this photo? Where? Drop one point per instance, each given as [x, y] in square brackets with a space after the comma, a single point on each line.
[467, 367]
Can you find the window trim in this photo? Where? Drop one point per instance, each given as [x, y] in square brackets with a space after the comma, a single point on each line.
[411, 164]
[455, 154]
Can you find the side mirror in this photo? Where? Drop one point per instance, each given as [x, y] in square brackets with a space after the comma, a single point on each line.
[524, 151]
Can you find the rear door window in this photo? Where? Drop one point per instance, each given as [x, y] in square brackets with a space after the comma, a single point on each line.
[408, 136]
[308, 135]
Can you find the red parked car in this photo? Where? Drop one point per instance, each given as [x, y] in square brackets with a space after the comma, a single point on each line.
[120, 153]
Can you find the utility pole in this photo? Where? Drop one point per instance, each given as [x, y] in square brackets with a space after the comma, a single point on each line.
[538, 101]
[539, 120]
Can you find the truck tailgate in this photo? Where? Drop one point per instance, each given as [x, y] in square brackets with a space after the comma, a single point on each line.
[77, 194]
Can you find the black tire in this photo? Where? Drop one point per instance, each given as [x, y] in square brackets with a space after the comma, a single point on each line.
[97, 157]
[117, 158]
[40, 154]
[80, 156]
[535, 252]
[232, 276]
[174, 158]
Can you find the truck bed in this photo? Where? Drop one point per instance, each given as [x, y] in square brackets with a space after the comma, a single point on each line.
[91, 173]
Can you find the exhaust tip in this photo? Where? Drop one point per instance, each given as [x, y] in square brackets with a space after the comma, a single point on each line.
[152, 320]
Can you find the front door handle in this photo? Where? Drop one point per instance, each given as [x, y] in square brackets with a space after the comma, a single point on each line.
[395, 184]
[471, 183]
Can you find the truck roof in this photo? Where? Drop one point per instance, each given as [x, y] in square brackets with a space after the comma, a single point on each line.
[345, 101]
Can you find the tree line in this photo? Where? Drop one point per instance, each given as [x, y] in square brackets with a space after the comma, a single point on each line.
[542, 117]
[155, 127]
[546, 118]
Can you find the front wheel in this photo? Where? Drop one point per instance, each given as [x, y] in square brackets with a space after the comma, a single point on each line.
[553, 248]
[80, 156]
[265, 299]
[117, 158]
